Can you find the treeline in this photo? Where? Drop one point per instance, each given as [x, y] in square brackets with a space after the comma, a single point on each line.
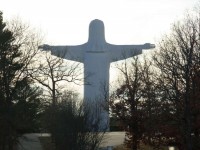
[158, 100]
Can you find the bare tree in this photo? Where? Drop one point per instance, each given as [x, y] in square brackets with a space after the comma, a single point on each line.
[133, 87]
[51, 71]
[28, 40]
[139, 105]
[178, 61]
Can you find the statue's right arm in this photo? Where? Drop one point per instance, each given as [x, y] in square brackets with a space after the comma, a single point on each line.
[74, 53]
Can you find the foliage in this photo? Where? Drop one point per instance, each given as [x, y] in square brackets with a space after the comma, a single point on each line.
[178, 62]
[17, 96]
[159, 101]
[68, 124]
[134, 103]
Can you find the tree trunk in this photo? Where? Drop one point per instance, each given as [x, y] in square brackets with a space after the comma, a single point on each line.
[187, 111]
[53, 93]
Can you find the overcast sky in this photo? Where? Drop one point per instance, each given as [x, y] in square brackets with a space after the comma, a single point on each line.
[66, 22]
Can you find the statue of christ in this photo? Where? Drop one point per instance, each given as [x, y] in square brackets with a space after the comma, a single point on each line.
[96, 55]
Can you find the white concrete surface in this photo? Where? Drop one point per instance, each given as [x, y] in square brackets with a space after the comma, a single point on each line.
[113, 139]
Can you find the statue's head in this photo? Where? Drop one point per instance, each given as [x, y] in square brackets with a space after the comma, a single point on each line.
[96, 31]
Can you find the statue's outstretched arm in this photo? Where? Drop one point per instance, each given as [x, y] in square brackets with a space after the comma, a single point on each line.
[74, 53]
[120, 52]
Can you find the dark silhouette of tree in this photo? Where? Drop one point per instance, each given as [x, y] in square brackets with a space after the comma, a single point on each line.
[53, 70]
[161, 106]
[68, 124]
[134, 103]
[16, 93]
[178, 61]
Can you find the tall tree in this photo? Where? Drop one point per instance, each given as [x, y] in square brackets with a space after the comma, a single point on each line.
[134, 101]
[12, 81]
[139, 103]
[178, 62]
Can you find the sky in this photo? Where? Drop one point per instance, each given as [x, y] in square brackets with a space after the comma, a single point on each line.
[66, 22]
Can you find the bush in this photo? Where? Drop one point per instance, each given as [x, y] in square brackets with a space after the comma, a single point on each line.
[68, 125]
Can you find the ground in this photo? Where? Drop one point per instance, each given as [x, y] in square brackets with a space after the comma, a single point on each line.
[43, 142]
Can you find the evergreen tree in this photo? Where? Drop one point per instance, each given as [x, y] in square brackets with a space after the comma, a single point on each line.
[16, 94]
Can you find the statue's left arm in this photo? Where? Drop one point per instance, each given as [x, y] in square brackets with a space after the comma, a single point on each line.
[74, 53]
[120, 52]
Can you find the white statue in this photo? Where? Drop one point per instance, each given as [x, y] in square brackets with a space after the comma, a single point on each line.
[96, 55]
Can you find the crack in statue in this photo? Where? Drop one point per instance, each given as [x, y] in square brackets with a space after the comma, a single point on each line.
[96, 55]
